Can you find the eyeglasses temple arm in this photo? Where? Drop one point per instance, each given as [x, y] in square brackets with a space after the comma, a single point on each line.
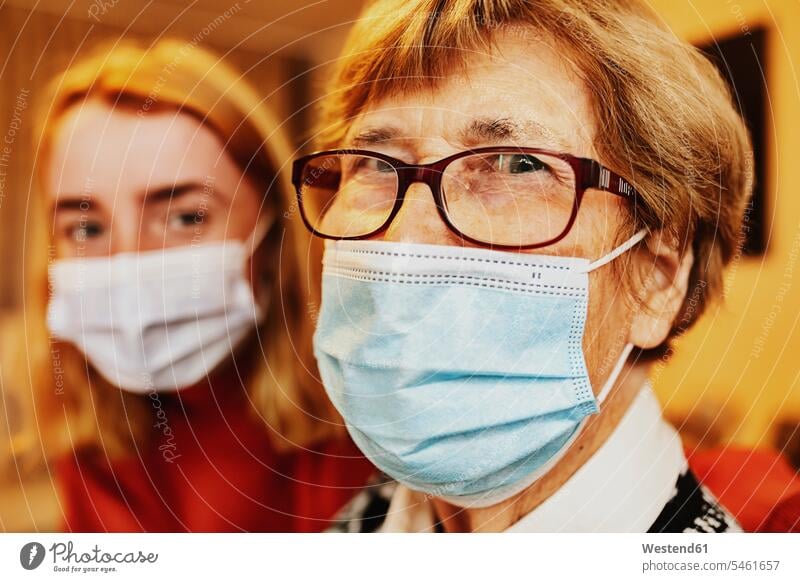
[604, 179]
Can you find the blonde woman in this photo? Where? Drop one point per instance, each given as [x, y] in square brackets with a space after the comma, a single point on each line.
[169, 348]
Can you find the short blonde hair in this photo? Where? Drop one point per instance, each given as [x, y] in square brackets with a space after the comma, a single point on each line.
[73, 405]
[668, 122]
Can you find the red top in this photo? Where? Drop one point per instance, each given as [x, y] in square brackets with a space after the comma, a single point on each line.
[758, 486]
[209, 467]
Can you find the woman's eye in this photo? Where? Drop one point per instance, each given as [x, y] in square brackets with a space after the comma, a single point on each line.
[185, 219]
[519, 163]
[373, 165]
[85, 230]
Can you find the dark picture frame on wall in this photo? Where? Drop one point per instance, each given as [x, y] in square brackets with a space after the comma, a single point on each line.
[742, 60]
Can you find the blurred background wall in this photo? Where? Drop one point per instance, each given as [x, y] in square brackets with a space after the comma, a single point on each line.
[732, 379]
[738, 371]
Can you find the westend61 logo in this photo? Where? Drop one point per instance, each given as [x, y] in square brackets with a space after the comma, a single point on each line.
[66, 559]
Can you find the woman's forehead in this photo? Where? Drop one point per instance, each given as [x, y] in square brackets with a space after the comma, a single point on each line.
[98, 149]
[523, 95]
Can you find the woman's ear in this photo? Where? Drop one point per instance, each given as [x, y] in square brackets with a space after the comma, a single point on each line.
[665, 281]
[262, 271]
[262, 244]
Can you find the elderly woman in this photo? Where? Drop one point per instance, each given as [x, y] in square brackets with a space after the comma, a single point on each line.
[521, 200]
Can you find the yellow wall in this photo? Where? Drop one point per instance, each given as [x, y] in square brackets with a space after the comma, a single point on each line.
[742, 361]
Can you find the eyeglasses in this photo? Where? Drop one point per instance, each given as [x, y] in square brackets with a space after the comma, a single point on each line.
[515, 198]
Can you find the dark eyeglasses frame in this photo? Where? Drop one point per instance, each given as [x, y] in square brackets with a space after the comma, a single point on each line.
[588, 174]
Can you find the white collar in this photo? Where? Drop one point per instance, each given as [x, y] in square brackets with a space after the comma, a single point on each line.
[622, 488]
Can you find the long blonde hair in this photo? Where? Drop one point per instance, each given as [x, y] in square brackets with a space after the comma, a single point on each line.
[71, 405]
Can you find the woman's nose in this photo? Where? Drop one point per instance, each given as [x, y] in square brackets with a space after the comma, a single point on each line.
[419, 221]
[124, 237]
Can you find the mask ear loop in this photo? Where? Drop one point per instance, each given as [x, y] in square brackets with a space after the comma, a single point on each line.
[623, 248]
[626, 351]
[612, 378]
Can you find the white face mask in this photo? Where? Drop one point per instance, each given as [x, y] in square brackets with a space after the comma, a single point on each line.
[159, 320]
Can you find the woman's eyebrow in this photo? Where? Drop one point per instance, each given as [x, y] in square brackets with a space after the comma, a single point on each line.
[173, 191]
[374, 135]
[479, 131]
[494, 130]
[74, 202]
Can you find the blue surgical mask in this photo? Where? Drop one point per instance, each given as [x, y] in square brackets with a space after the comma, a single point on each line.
[458, 371]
